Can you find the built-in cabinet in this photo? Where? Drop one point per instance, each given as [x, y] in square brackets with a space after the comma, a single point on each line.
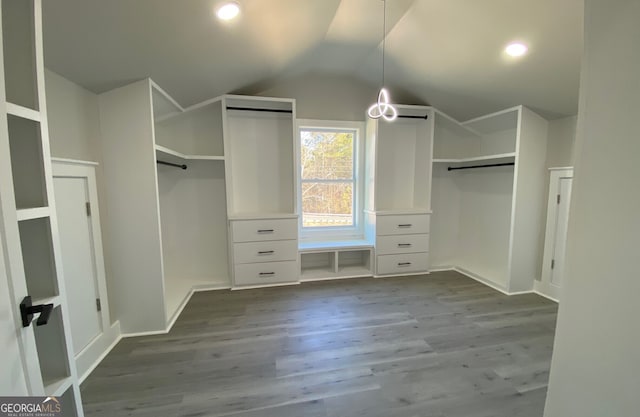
[164, 169]
[398, 190]
[260, 136]
[205, 198]
[199, 198]
[37, 353]
[488, 197]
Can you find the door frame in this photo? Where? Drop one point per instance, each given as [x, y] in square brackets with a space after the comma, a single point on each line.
[89, 357]
[544, 286]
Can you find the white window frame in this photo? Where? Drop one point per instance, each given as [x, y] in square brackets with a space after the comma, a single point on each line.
[338, 232]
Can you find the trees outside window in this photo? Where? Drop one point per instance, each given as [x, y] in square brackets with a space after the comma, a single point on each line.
[329, 176]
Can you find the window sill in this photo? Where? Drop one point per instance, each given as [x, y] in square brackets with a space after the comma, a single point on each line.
[311, 245]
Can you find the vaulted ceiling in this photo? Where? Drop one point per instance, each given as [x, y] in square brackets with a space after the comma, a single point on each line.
[448, 53]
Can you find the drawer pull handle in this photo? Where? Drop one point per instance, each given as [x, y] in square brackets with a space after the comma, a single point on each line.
[265, 230]
[404, 245]
[267, 274]
[266, 252]
[404, 263]
[405, 225]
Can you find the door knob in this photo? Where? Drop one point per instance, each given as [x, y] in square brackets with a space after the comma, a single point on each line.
[27, 310]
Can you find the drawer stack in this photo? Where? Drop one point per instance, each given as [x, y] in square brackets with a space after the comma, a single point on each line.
[402, 244]
[265, 251]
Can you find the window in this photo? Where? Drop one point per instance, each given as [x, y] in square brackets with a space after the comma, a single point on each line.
[329, 177]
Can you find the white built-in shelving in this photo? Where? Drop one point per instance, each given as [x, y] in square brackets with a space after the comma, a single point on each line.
[487, 159]
[260, 140]
[398, 186]
[176, 243]
[335, 260]
[164, 152]
[486, 219]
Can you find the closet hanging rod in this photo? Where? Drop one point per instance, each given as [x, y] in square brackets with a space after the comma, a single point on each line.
[258, 109]
[182, 166]
[425, 117]
[481, 166]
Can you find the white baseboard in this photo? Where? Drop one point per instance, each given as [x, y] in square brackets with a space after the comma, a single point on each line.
[546, 296]
[442, 268]
[177, 313]
[303, 280]
[140, 334]
[483, 280]
[97, 350]
[251, 287]
[411, 274]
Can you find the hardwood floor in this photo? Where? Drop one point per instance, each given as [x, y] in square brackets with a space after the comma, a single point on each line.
[440, 345]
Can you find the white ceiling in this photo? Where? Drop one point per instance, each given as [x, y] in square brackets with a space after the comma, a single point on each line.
[447, 53]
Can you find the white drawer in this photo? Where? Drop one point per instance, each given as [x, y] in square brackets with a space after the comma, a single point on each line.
[406, 263]
[268, 251]
[402, 224]
[265, 273]
[394, 244]
[267, 229]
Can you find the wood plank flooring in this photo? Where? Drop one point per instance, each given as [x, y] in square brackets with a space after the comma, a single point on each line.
[440, 345]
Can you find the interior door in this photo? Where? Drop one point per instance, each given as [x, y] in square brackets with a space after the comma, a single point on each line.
[76, 241]
[555, 244]
[562, 224]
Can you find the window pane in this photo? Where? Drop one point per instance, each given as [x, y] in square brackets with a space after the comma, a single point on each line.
[326, 154]
[327, 205]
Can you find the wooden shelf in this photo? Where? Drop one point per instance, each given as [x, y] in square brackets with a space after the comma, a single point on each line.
[315, 274]
[55, 300]
[164, 105]
[164, 152]
[322, 274]
[353, 271]
[494, 159]
[261, 216]
[495, 122]
[407, 211]
[23, 112]
[33, 213]
[334, 245]
[57, 387]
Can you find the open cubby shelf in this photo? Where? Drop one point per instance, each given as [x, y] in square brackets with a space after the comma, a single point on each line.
[403, 155]
[260, 145]
[195, 133]
[37, 255]
[18, 36]
[68, 400]
[52, 353]
[335, 263]
[489, 159]
[169, 155]
[27, 169]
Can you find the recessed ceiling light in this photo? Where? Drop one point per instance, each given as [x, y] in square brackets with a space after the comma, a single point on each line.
[516, 49]
[228, 11]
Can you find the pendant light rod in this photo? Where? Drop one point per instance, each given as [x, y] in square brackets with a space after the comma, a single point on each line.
[384, 35]
[383, 107]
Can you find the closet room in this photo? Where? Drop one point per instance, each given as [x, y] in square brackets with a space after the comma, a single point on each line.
[234, 208]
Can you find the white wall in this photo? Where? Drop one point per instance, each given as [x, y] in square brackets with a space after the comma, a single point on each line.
[595, 370]
[326, 97]
[74, 133]
[561, 141]
[560, 153]
[74, 119]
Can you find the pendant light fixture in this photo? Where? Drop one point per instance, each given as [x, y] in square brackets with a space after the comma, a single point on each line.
[383, 107]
